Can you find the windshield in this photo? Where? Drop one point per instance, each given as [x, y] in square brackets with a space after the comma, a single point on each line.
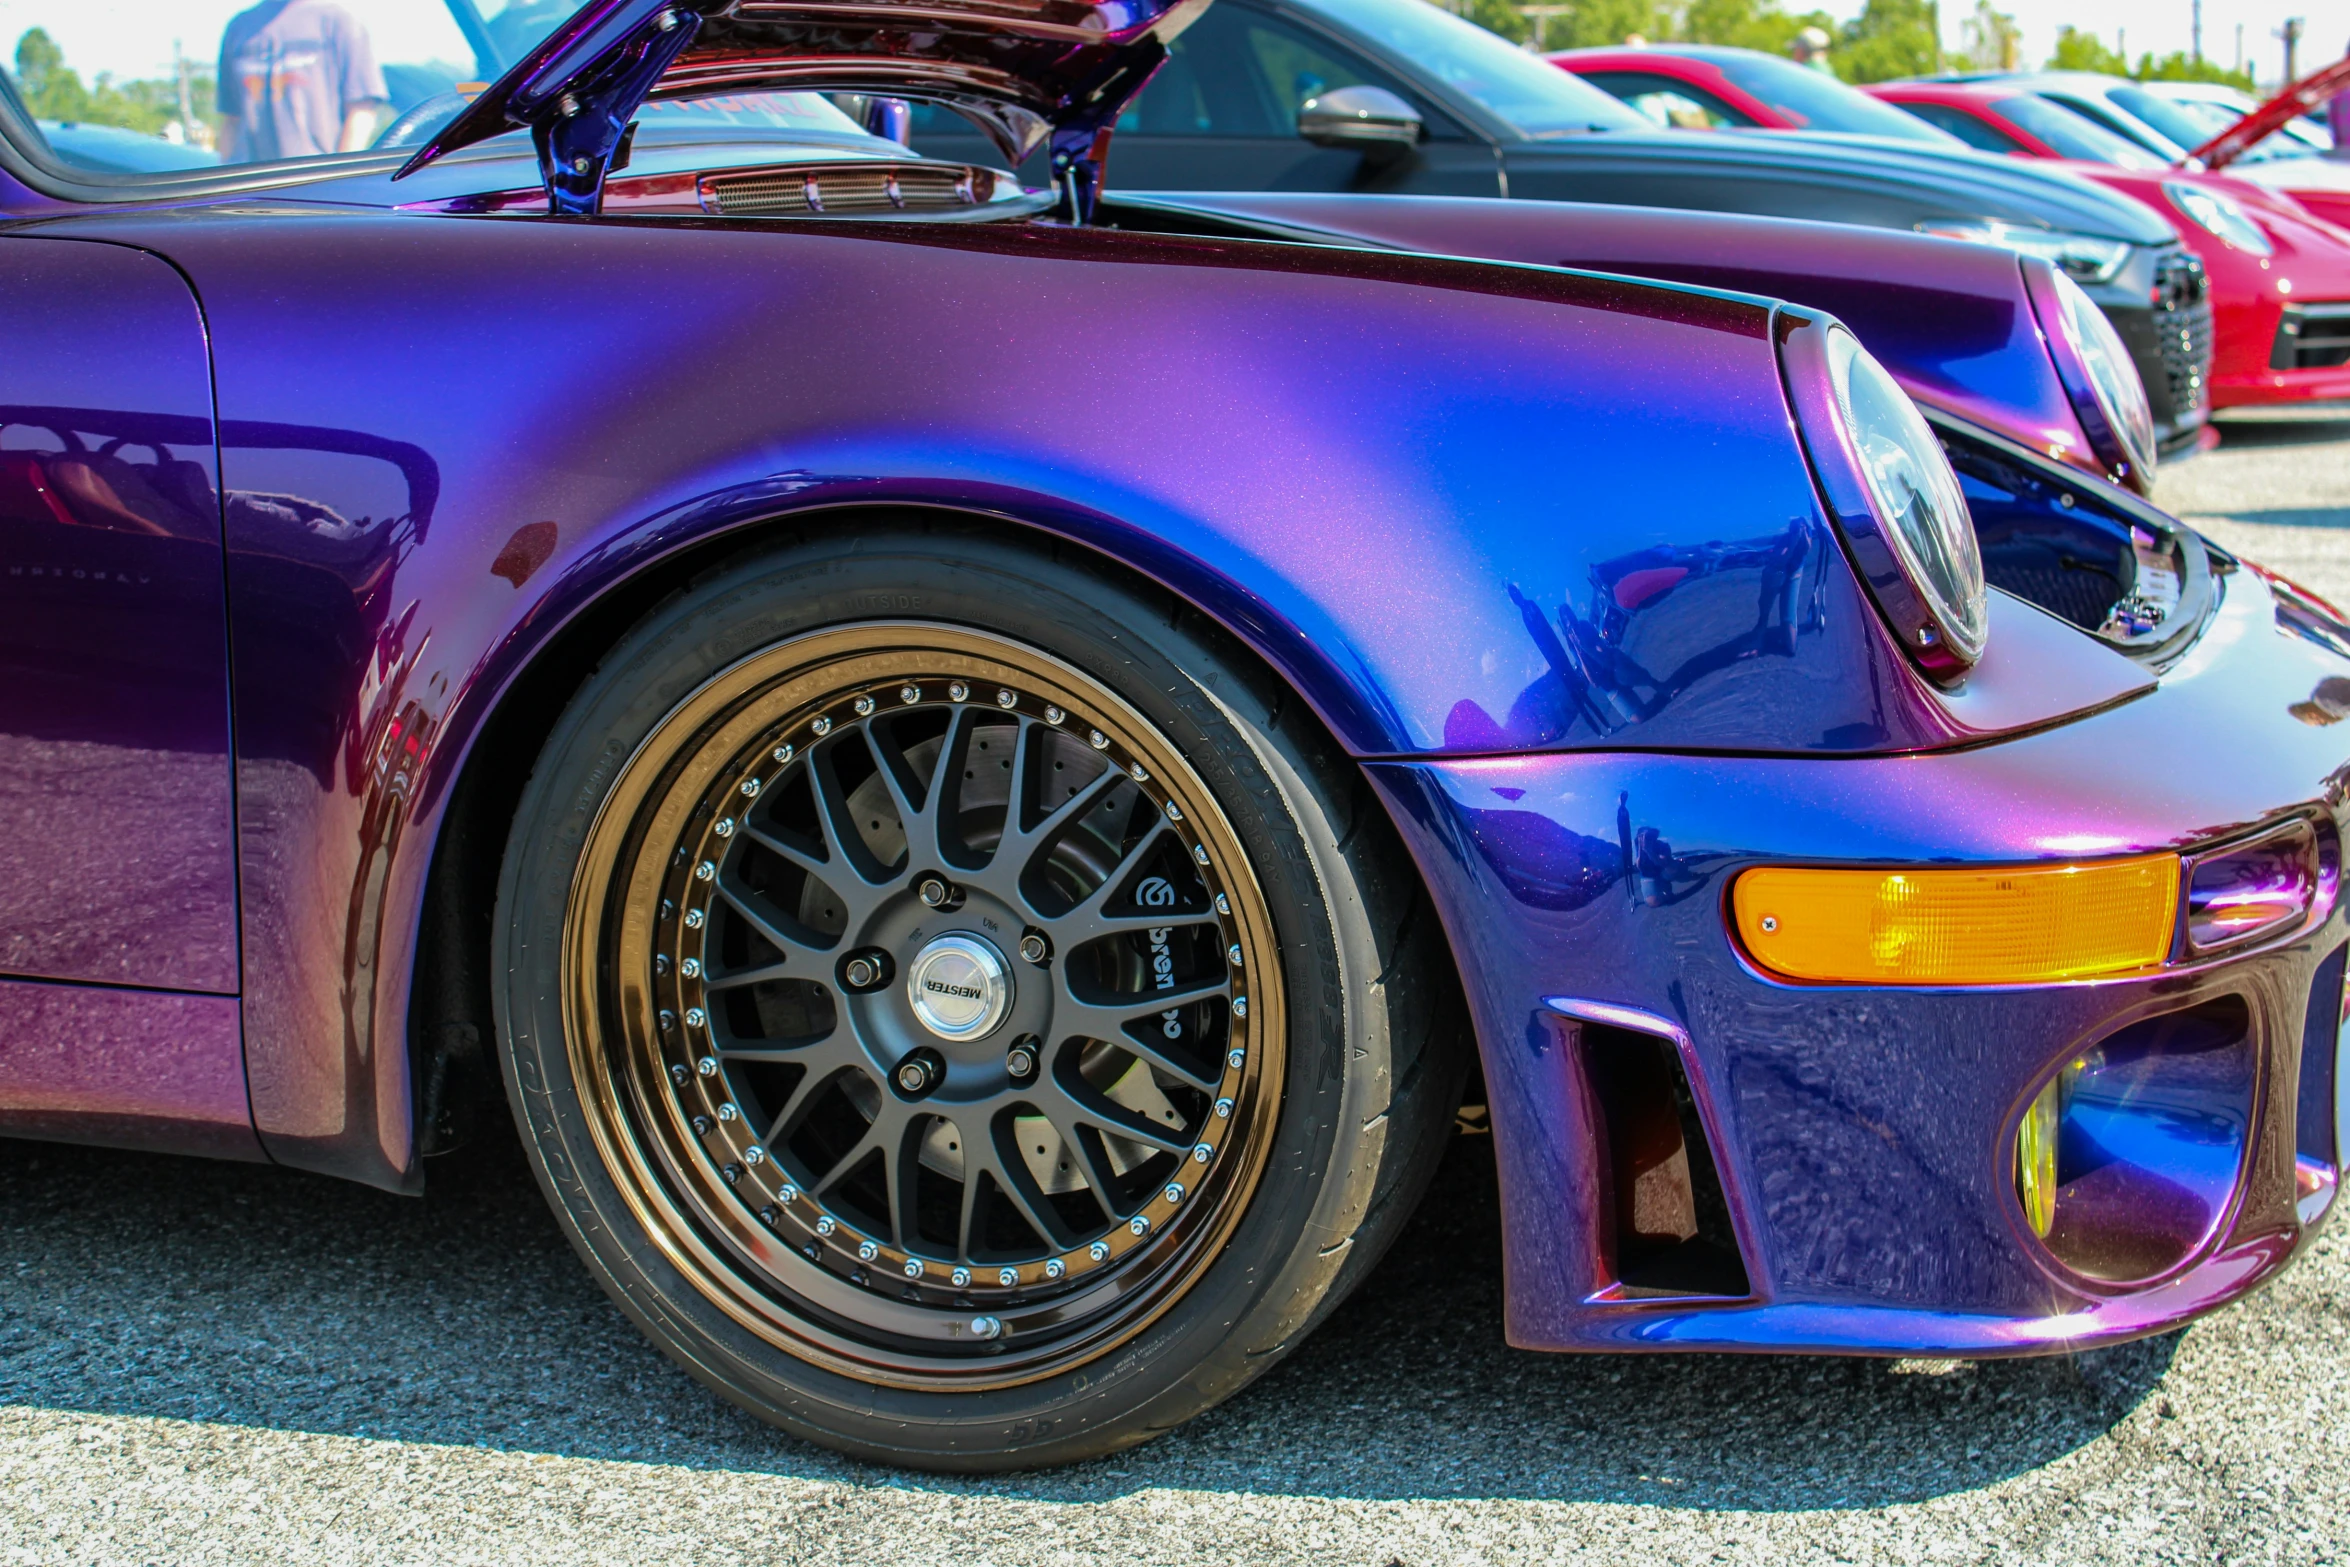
[2296, 138]
[2221, 109]
[1813, 101]
[148, 86]
[2160, 113]
[1531, 95]
[2072, 136]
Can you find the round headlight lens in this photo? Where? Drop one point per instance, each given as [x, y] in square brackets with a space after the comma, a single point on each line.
[2113, 379]
[2217, 214]
[1914, 496]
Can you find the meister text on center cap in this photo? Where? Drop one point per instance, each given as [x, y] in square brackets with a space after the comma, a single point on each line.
[959, 987]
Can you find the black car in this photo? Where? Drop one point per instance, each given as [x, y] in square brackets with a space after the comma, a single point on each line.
[1397, 96]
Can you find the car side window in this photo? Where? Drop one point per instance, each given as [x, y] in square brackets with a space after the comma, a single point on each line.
[1239, 72]
[2099, 114]
[1965, 127]
[1669, 101]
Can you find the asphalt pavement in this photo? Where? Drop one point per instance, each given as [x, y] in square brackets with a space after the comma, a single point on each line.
[208, 1363]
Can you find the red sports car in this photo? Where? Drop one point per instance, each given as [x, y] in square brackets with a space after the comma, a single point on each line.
[2280, 275]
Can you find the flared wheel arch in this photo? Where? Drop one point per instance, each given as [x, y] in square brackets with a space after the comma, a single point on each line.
[453, 1073]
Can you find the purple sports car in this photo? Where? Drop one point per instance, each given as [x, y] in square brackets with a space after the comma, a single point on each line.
[979, 767]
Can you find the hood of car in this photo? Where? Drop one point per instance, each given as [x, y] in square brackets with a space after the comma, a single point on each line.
[1863, 173]
[2273, 116]
[1022, 70]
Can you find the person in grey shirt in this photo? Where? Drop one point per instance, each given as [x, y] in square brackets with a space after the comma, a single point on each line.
[298, 78]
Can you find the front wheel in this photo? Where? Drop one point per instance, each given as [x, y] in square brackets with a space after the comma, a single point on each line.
[971, 1038]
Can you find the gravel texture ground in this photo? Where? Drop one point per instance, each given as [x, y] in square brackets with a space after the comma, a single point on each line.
[208, 1363]
[2277, 490]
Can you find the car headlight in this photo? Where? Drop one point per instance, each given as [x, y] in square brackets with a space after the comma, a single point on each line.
[2098, 374]
[1893, 495]
[2079, 256]
[2218, 215]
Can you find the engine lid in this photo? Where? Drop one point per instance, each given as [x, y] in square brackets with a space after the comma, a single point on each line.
[1022, 70]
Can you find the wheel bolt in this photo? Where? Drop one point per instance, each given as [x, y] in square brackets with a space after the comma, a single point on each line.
[938, 892]
[1020, 1060]
[1035, 948]
[866, 969]
[919, 1073]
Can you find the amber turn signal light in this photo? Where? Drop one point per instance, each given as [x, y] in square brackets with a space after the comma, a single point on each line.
[2006, 926]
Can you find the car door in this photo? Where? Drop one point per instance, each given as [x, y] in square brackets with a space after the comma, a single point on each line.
[1222, 115]
[114, 773]
[117, 856]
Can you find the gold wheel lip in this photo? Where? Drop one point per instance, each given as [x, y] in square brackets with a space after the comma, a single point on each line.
[710, 1247]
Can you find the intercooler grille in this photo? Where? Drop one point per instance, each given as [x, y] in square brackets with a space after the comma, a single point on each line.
[2312, 337]
[846, 190]
[2182, 325]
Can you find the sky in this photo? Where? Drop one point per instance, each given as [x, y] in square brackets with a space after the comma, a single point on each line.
[133, 38]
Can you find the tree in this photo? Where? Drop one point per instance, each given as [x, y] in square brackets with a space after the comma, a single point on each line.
[1592, 24]
[2183, 67]
[1499, 16]
[2079, 51]
[49, 89]
[1747, 24]
[52, 90]
[1993, 41]
[1889, 39]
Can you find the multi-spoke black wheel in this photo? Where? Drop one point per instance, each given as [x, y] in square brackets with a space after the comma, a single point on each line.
[907, 1015]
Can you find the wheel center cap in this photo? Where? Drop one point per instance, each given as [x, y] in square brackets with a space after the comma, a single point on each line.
[959, 986]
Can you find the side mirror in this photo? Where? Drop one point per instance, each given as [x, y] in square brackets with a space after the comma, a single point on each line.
[1368, 120]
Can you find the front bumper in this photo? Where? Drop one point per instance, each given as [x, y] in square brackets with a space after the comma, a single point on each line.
[1863, 1136]
[2296, 353]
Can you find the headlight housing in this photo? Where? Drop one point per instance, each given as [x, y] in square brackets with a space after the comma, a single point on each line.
[1893, 495]
[2098, 374]
[2218, 215]
[2081, 256]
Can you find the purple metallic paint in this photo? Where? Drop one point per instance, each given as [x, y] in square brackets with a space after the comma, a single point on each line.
[126, 1068]
[1428, 497]
[1369, 512]
[1864, 1133]
[1952, 321]
[116, 860]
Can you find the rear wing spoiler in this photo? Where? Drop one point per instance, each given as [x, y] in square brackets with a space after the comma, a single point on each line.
[1025, 71]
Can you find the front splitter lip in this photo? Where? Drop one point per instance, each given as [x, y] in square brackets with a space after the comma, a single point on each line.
[2279, 386]
[1797, 1328]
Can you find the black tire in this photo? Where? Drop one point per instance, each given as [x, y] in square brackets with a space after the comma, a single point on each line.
[1375, 1035]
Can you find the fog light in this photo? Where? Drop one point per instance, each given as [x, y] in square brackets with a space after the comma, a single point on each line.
[2127, 1158]
[2015, 925]
[2035, 1150]
[2256, 889]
